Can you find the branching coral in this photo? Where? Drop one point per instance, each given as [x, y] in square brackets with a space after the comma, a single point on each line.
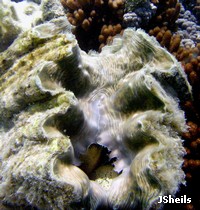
[163, 25]
[90, 17]
[108, 32]
[191, 62]
[166, 38]
[167, 13]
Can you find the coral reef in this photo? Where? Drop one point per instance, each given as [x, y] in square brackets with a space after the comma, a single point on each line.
[173, 17]
[90, 130]
[107, 34]
[166, 14]
[191, 62]
[138, 13]
[90, 19]
[188, 29]
[163, 24]
[189, 57]
[193, 6]
[166, 38]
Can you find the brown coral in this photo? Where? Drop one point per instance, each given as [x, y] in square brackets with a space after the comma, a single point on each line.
[96, 21]
[189, 57]
[166, 38]
[167, 13]
[108, 32]
[163, 24]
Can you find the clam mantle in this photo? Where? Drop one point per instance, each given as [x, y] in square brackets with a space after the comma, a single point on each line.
[90, 130]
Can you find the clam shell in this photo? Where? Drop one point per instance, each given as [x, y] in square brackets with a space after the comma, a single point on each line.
[60, 107]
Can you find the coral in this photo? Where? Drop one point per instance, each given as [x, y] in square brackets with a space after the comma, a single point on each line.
[90, 130]
[166, 38]
[188, 28]
[166, 14]
[190, 60]
[164, 25]
[90, 17]
[107, 34]
[192, 5]
[138, 13]
[185, 36]
[191, 164]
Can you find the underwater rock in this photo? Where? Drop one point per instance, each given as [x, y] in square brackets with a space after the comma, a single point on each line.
[21, 16]
[51, 9]
[15, 18]
[60, 107]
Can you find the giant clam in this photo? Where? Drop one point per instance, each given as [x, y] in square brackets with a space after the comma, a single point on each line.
[96, 130]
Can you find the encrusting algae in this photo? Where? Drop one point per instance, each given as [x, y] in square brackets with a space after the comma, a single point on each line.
[89, 130]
